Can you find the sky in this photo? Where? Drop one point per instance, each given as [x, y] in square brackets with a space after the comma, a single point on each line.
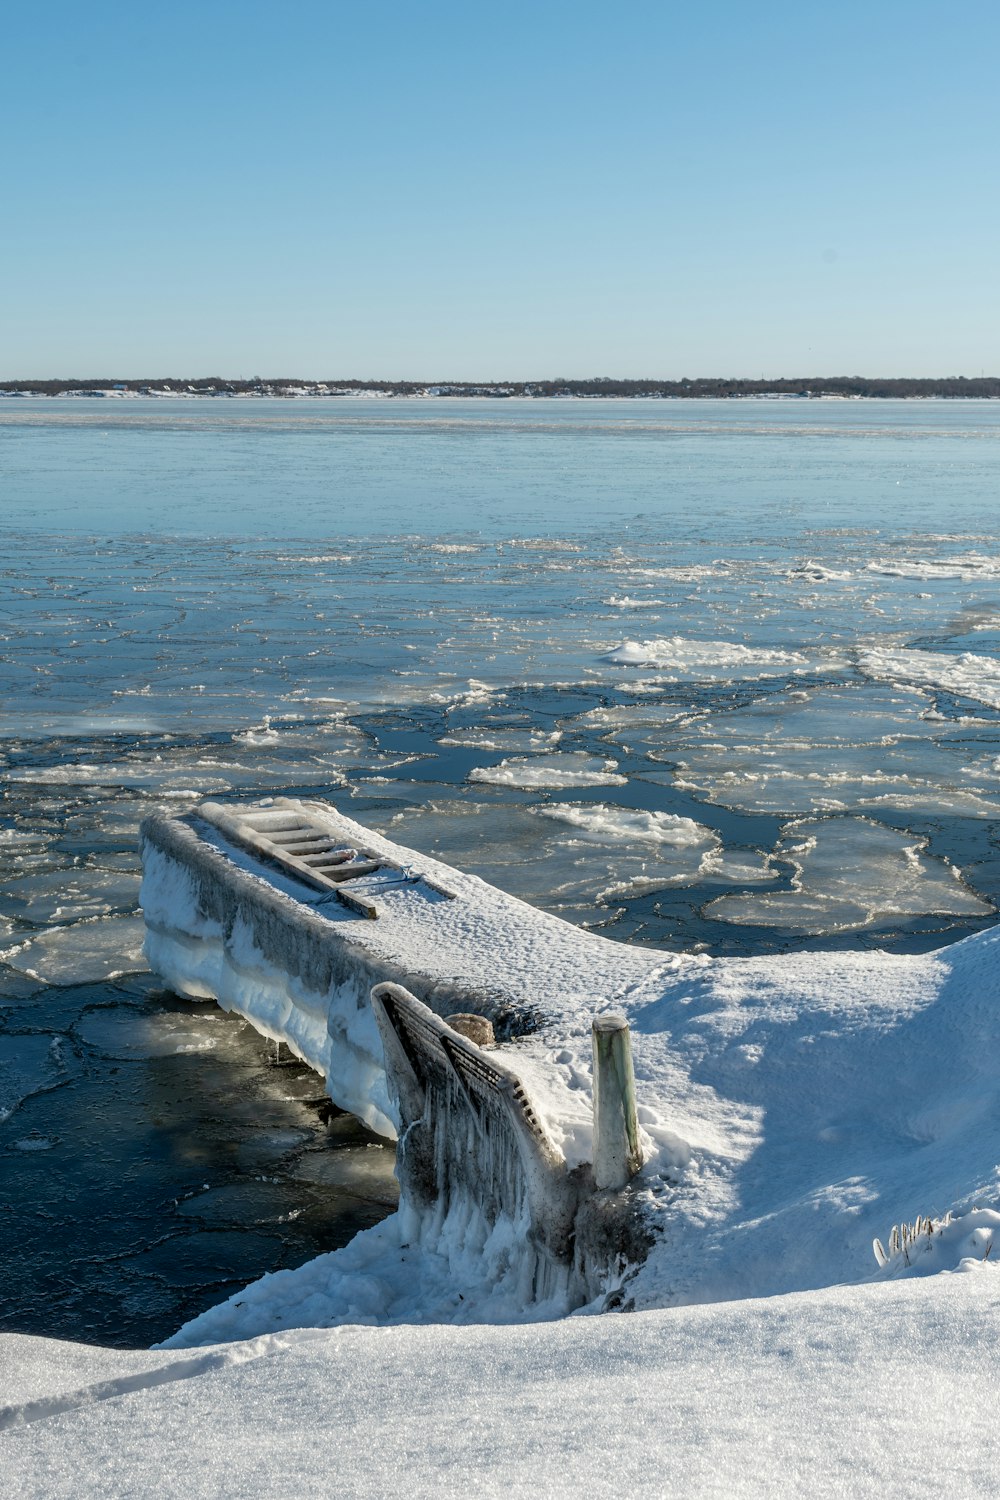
[433, 190]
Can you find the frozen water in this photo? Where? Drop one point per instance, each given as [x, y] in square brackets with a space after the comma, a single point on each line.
[966, 675]
[70, 895]
[603, 823]
[122, 1031]
[28, 1065]
[970, 568]
[856, 747]
[851, 873]
[93, 1240]
[84, 951]
[677, 659]
[794, 661]
[503, 740]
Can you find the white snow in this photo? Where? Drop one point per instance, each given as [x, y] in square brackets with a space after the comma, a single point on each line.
[859, 1391]
[793, 1110]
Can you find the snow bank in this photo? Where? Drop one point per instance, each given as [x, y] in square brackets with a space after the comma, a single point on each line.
[860, 1391]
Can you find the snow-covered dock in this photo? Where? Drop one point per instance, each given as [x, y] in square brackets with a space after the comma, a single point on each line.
[269, 909]
[790, 1110]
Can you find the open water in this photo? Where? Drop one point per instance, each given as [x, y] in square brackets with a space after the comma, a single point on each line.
[705, 675]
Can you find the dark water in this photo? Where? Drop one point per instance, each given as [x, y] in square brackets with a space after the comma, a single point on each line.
[141, 1183]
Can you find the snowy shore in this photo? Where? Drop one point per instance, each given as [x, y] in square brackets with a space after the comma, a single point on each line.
[794, 1110]
[860, 1391]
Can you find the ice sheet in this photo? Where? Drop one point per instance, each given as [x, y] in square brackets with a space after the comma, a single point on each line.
[965, 674]
[88, 950]
[851, 873]
[30, 1064]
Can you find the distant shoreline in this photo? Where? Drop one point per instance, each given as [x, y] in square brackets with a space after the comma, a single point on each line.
[827, 388]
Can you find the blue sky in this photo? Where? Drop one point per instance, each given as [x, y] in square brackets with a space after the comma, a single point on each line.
[440, 190]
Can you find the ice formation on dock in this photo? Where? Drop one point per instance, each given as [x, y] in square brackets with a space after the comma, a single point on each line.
[790, 1108]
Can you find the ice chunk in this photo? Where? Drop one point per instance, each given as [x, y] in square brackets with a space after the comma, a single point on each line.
[740, 868]
[13, 840]
[684, 658]
[83, 952]
[624, 601]
[67, 895]
[967, 675]
[602, 823]
[490, 738]
[569, 769]
[845, 748]
[968, 568]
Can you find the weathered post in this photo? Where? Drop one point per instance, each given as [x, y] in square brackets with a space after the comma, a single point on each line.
[617, 1155]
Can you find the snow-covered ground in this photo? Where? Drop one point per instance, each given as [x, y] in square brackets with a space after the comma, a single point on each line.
[848, 1391]
[795, 1110]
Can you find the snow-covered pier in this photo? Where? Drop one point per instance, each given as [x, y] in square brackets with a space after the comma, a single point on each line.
[787, 1110]
[269, 910]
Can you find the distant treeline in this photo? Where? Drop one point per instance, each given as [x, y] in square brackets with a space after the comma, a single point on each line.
[953, 386]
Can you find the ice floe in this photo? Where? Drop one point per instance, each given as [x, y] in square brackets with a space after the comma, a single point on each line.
[125, 1032]
[684, 658]
[966, 675]
[968, 568]
[851, 873]
[625, 602]
[555, 772]
[603, 823]
[850, 747]
[82, 951]
[69, 895]
[525, 741]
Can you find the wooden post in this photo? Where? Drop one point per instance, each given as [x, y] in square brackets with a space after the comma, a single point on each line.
[617, 1155]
